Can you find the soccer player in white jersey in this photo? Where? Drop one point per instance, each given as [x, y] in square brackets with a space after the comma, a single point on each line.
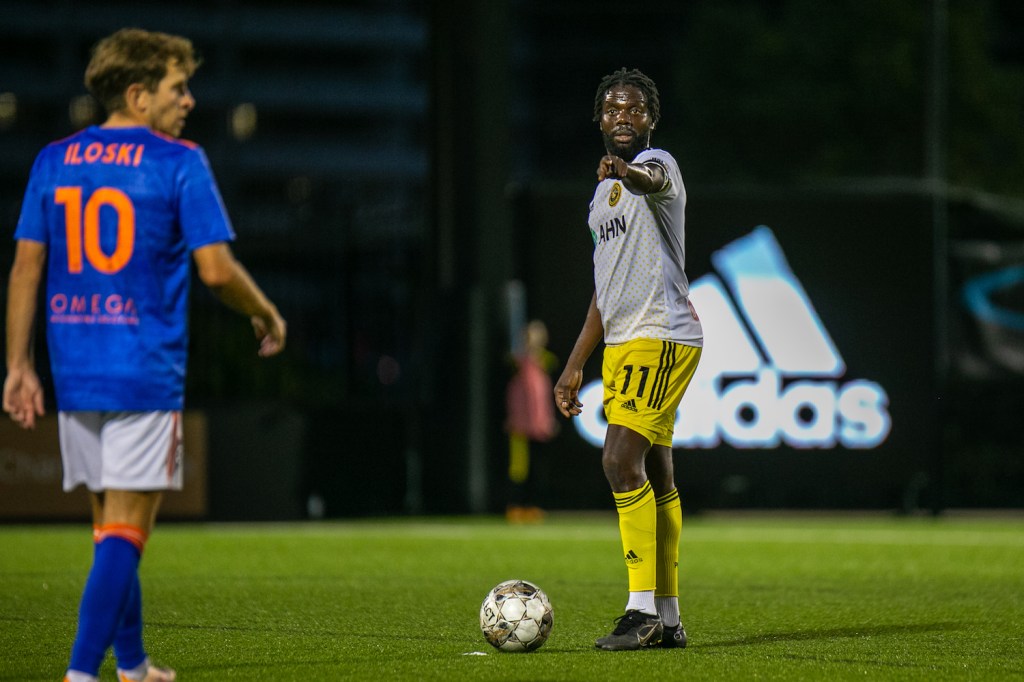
[112, 218]
[653, 340]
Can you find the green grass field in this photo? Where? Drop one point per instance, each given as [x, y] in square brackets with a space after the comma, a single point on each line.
[764, 597]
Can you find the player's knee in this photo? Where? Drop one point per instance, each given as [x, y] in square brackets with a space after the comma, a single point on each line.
[623, 474]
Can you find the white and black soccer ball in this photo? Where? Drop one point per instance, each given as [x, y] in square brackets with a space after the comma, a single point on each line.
[516, 616]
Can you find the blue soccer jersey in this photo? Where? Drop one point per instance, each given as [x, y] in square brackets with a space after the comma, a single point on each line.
[120, 211]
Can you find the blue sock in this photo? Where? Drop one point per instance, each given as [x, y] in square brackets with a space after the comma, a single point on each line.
[128, 647]
[114, 572]
[128, 641]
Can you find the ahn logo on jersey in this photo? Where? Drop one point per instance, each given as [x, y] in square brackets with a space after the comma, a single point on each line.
[769, 374]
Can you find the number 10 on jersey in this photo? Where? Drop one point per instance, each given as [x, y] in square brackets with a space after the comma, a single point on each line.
[83, 228]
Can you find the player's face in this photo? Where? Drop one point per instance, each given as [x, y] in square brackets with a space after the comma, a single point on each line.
[170, 105]
[625, 121]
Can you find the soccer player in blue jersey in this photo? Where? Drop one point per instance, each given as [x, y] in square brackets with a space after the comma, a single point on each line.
[653, 340]
[111, 218]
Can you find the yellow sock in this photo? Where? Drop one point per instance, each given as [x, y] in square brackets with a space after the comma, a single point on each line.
[638, 523]
[670, 523]
[518, 458]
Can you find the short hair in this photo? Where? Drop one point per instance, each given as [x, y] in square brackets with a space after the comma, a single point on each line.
[633, 77]
[133, 55]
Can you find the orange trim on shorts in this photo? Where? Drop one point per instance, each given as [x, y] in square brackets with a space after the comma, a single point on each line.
[172, 460]
[125, 531]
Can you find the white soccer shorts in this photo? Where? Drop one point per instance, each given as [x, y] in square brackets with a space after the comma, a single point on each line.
[121, 450]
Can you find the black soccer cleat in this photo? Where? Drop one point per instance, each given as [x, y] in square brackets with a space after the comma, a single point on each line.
[673, 638]
[633, 631]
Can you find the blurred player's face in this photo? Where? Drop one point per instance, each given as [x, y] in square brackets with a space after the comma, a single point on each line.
[625, 121]
[170, 105]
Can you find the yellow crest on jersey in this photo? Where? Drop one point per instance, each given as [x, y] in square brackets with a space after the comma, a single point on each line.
[613, 198]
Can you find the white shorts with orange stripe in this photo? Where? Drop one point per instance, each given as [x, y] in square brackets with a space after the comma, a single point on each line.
[121, 450]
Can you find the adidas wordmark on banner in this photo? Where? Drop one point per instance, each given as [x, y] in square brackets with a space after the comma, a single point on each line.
[769, 373]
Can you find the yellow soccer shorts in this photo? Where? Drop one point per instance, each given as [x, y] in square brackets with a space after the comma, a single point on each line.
[644, 380]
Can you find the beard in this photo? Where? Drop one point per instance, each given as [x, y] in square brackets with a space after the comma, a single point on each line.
[626, 151]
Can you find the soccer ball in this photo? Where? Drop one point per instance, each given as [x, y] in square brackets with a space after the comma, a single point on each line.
[516, 616]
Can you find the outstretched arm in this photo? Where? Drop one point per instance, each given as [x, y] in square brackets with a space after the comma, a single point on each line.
[234, 286]
[638, 178]
[23, 392]
[568, 387]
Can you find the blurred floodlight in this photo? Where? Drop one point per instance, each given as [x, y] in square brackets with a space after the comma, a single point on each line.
[83, 111]
[243, 121]
[8, 110]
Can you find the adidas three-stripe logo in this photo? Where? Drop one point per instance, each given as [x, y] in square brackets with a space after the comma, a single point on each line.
[769, 372]
[665, 365]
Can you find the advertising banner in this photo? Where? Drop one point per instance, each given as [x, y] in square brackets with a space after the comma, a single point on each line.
[817, 383]
[31, 474]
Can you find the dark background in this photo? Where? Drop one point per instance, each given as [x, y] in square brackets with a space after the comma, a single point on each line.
[391, 167]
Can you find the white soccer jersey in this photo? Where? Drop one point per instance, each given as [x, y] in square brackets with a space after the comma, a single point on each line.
[639, 258]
